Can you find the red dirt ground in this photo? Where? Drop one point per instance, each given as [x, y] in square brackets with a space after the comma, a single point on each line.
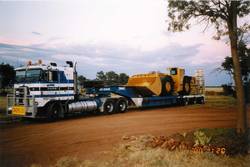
[86, 137]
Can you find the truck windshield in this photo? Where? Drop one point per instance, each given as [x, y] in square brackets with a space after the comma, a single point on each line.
[30, 75]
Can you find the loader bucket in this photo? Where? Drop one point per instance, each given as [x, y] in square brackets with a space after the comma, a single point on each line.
[142, 82]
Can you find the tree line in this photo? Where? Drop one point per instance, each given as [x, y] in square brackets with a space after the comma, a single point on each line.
[109, 78]
[7, 75]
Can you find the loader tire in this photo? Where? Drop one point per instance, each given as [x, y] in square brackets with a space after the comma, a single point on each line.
[109, 107]
[186, 85]
[167, 86]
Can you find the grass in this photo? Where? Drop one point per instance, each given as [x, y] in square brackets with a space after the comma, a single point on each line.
[4, 118]
[3, 103]
[220, 101]
[217, 131]
[135, 154]
[217, 102]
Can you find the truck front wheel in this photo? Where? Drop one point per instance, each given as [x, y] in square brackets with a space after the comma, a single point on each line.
[53, 112]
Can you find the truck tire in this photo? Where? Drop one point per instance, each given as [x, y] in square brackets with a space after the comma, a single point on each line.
[167, 86]
[200, 100]
[53, 112]
[186, 85]
[109, 107]
[121, 105]
[184, 102]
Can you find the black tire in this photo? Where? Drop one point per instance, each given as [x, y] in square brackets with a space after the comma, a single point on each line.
[167, 86]
[109, 107]
[121, 105]
[195, 101]
[201, 101]
[186, 85]
[53, 112]
[185, 102]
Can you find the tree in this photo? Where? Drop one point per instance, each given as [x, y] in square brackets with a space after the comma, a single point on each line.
[81, 79]
[227, 65]
[112, 78]
[7, 75]
[244, 58]
[123, 78]
[100, 76]
[223, 15]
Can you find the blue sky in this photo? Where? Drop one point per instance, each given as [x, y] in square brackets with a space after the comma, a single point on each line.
[124, 36]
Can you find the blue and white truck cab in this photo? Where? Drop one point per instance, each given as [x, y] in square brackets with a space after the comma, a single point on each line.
[43, 90]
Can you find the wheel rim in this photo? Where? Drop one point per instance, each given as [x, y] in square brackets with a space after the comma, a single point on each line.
[186, 87]
[168, 87]
[186, 102]
[122, 106]
[109, 107]
[55, 112]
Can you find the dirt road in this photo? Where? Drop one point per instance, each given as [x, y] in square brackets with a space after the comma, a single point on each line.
[86, 137]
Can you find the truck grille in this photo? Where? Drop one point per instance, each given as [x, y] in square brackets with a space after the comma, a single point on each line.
[20, 94]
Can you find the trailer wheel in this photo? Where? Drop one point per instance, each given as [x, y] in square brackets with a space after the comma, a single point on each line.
[192, 101]
[109, 107]
[195, 101]
[121, 105]
[201, 100]
[185, 101]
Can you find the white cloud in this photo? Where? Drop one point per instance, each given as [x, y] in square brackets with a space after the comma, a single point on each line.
[125, 36]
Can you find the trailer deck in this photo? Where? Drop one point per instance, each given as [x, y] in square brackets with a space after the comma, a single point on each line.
[140, 100]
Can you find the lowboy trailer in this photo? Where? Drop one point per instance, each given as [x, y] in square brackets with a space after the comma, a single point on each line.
[50, 91]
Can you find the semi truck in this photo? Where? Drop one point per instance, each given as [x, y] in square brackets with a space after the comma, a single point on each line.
[51, 91]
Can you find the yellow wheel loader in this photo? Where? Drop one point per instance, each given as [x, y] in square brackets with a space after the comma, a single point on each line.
[173, 82]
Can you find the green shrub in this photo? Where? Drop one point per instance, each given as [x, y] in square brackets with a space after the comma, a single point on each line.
[201, 138]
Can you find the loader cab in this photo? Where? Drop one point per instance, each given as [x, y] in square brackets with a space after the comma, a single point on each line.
[175, 71]
[177, 75]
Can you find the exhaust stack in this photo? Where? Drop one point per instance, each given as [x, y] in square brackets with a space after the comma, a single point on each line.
[75, 83]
